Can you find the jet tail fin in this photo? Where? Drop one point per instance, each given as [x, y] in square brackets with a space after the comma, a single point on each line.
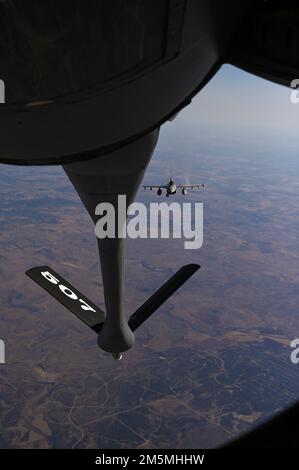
[68, 296]
[161, 295]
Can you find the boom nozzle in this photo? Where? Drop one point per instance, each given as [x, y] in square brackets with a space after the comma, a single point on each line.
[117, 356]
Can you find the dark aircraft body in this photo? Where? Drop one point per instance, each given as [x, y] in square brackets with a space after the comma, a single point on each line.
[88, 85]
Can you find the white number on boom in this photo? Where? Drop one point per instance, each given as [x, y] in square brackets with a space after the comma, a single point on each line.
[66, 291]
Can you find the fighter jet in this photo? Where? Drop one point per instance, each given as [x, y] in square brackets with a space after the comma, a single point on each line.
[171, 187]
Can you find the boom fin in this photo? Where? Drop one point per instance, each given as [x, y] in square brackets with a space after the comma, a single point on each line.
[90, 313]
[161, 295]
[68, 296]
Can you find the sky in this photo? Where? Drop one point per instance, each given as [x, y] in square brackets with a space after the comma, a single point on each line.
[236, 101]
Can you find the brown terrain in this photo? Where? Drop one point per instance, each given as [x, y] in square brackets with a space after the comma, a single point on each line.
[211, 363]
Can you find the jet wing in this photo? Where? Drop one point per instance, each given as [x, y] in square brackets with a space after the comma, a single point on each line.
[191, 186]
[152, 186]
